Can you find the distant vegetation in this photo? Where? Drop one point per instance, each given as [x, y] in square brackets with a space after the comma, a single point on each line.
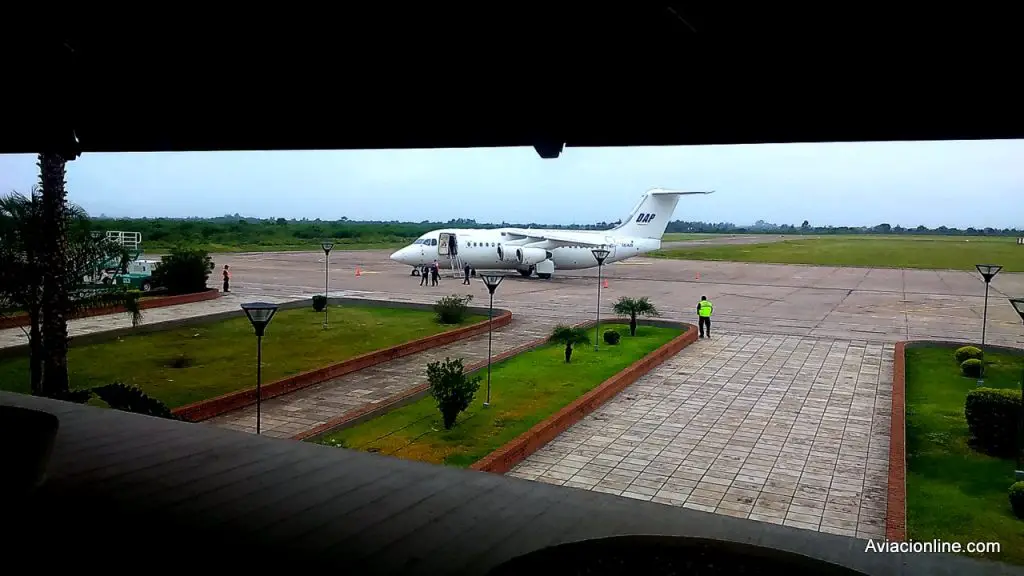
[888, 251]
[238, 233]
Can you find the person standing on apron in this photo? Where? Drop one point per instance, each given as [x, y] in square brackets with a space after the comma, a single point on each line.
[704, 310]
[227, 278]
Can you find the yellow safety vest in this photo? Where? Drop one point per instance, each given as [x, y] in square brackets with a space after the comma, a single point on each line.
[704, 309]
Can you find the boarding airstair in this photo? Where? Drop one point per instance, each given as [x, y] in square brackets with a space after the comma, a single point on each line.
[131, 241]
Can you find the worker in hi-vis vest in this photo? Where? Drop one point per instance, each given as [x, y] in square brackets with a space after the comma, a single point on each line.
[704, 310]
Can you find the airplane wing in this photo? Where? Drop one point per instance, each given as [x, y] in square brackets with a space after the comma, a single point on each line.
[553, 239]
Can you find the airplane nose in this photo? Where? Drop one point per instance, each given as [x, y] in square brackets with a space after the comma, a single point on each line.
[399, 256]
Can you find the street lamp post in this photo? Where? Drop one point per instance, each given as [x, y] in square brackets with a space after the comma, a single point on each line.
[988, 271]
[1018, 305]
[599, 254]
[491, 281]
[260, 314]
[327, 247]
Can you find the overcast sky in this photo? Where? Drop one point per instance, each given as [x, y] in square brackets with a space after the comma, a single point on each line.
[932, 183]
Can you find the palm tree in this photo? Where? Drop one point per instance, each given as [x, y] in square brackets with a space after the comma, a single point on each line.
[569, 335]
[54, 258]
[22, 275]
[634, 307]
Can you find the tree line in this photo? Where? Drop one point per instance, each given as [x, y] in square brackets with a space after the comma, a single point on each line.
[238, 230]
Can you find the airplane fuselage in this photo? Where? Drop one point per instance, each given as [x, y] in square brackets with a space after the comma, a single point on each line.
[537, 251]
[480, 249]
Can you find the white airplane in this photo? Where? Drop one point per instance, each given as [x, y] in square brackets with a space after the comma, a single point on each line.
[530, 251]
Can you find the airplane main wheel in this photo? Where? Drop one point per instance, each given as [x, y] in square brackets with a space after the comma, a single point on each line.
[526, 273]
[544, 276]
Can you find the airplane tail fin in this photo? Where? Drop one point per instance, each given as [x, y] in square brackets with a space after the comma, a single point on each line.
[651, 215]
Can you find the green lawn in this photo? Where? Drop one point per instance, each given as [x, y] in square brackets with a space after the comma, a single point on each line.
[930, 252]
[954, 493]
[525, 389]
[222, 356]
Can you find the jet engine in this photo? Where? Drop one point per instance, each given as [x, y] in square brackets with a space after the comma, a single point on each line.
[531, 256]
[507, 253]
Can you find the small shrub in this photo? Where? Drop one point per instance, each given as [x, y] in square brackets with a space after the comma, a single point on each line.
[120, 396]
[452, 309]
[991, 415]
[611, 337]
[971, 367]
[1017, 499]
[319, 303]
[967, 353]
[180, 361]
[451, 388]
[183, 271]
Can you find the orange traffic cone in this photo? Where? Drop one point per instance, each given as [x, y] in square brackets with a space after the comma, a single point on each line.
[605, 283]
[358, 271]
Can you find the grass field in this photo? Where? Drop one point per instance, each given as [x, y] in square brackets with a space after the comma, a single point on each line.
[954, 493]
[221, 357]
[525, 389]
[928, 252]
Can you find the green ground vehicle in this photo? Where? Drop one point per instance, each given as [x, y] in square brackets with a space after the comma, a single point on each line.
[137, 275]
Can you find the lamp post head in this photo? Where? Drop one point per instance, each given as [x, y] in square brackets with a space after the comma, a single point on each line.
[988, 271]
[491, 281]
[600, 254]
[1018, 305]
[259, 314]
[327, 247]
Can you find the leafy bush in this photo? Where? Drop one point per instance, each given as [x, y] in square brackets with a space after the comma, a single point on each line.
[972, 367]
[611, 337]
[451, 388]
[1017, 499]
[180, 361]
[992, 419]
[452, 309]
[184, 271]
[968, 352]
[120, 396]
[569, 335]
[319, 303]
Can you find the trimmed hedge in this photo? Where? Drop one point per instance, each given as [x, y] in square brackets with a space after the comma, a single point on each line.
[972, 367]
[1017, 499]
[611, 337]
[319, 303]
[967, 353]
[992, 415]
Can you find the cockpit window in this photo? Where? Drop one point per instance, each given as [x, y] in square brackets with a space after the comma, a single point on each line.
[433, 241]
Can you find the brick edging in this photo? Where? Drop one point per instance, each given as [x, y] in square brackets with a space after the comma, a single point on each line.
[371, 411]
[896, 502]
[144, 304]
[209, 408]
[505, 458]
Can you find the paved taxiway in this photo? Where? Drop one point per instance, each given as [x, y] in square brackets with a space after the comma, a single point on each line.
[873, 304]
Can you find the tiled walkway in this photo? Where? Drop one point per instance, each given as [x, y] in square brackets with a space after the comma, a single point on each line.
[783, 429]
[288, 415]
[79, 326]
